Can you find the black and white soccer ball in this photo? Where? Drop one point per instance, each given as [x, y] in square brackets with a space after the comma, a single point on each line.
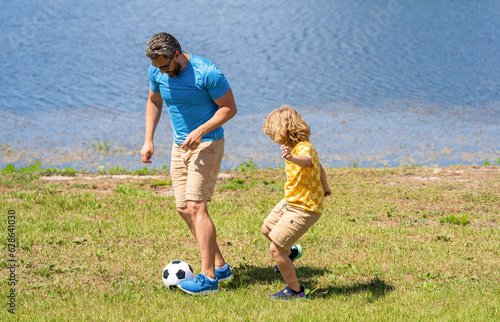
[175, 272]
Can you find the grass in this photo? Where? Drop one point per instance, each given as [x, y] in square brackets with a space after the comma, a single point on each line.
[407, 243]
[247, 166]
[486, 162]
[161, 183]
[452, 219]
[235, 184]
[102, 146]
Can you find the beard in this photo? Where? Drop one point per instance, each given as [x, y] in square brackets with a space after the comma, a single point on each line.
[173, 72]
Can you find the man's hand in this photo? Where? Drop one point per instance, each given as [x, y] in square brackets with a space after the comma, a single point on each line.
[227, 109]
[147, 152]
[193, 140]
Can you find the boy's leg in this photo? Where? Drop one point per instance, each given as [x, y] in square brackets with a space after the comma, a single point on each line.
[293, 222]
[285, 266]
[265, 230]
[273, 218]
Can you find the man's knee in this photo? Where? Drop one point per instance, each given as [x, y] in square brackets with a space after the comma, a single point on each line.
[265, 230]
[197, 208]
[182, 211]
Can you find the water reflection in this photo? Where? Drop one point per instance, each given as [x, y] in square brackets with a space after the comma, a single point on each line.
[380, 82]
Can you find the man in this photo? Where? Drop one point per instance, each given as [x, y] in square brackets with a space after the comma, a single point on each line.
[199, 101]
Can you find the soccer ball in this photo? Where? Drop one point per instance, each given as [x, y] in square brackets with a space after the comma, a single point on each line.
[175, 272]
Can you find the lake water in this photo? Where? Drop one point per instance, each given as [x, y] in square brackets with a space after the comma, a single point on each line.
[381, 83]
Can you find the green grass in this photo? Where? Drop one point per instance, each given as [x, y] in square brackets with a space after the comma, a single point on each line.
[161, 183]
[102, 146]
[452, 219]
[121, 170]
[486, 162]
[392, 244]
[235, 184]
[247, 166]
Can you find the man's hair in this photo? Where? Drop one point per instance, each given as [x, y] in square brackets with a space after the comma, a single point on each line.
[162, 44]
[286, 126]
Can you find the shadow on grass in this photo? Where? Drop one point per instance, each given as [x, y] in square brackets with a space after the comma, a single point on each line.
[375, 289]
[249, 274]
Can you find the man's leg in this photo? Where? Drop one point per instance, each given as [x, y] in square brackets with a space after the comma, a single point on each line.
[191, 214]
[188, 218]
[203, 166]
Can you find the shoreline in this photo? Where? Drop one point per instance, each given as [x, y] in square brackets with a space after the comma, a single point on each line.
[159, 181]
[11, 167]
[98, 158]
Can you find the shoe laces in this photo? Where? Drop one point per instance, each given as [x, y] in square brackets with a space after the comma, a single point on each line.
[200, 278]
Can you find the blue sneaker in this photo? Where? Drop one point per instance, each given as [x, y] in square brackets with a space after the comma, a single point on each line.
[296, 254]
[287, 294]
[224, 275]
[199, 285]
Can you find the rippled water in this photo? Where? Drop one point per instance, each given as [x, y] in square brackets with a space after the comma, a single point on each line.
[380, 82]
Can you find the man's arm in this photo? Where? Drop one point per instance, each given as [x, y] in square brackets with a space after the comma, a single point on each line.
[153, 114]
[227, 109]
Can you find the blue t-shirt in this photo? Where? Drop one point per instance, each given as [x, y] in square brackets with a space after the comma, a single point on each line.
[190, 96]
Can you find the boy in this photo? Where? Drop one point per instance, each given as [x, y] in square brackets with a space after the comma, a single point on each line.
[305, 188]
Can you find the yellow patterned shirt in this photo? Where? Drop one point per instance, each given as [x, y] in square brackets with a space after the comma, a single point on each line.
[303, 187]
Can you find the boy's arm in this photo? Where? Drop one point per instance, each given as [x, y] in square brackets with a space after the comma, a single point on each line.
[300, 160]
[326, 189]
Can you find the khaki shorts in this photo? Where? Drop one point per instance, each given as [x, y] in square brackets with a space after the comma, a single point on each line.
[288, 223]
[194, 172]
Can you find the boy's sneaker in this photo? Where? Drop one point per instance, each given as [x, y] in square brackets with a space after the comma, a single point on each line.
[224, 275]
[287, 294]
[199, 285]
[296, 254]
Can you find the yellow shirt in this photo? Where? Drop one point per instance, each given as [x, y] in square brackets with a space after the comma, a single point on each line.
[303, 187]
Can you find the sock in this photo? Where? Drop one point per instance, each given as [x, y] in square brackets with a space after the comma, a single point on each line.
[300, 290]
[222, 268]
[294, 253]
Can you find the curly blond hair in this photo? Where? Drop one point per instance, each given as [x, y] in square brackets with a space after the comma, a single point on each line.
[286, 126]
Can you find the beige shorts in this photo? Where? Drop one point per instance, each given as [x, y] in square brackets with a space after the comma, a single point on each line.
[194, 172]
[288, 223]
